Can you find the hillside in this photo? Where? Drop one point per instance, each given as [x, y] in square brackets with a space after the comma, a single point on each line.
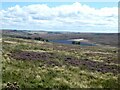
[110, 39]
[38, 64]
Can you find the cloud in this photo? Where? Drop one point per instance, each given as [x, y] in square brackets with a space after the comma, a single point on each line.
[76, 16]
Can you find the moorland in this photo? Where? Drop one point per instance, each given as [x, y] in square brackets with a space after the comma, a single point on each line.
[33, 61]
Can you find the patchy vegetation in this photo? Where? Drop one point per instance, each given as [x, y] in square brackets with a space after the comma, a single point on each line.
[37, 64]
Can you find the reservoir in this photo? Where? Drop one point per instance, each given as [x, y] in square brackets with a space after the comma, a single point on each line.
[82, 43]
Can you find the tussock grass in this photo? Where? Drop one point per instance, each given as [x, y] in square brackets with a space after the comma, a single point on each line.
[37, 74]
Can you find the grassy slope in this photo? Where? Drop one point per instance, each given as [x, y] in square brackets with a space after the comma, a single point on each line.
[38, 73]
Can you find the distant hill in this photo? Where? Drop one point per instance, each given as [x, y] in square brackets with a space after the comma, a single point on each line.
[99, 38]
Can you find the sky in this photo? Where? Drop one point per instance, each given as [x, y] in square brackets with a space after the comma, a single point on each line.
[100, 17]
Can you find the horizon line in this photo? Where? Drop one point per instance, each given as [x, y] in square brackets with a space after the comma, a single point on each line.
[55, 31]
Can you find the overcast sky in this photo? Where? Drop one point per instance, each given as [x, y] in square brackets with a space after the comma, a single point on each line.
[60, 16]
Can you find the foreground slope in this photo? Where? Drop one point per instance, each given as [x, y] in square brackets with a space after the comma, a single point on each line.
[36, 64]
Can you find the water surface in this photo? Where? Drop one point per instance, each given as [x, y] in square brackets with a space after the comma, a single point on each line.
[70, 42]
